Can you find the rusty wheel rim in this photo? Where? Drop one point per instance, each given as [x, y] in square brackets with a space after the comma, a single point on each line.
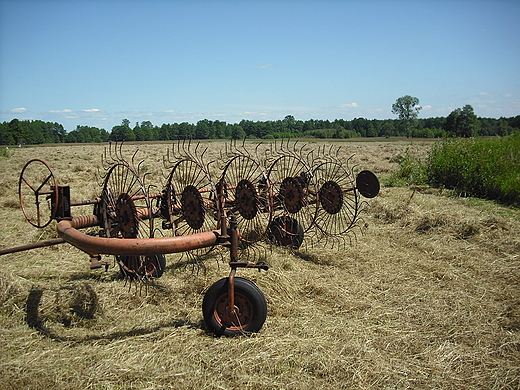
[246, 191]
[190, 199]
[235, 320]
[126, 208]
[338, 198]
[294, 190]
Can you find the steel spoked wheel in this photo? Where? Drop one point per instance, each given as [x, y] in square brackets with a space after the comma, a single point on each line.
[247, 316]
[246, 191]
[338, 199]
[38, 193]
[126, 212]
[294, 190]
[125, 206]
[190, 199]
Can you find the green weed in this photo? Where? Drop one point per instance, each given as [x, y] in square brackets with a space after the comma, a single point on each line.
[412, 171]
[485, 168]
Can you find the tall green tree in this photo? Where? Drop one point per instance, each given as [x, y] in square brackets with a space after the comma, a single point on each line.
[407, 109]
[238, 132]
[462, 122]
[122, 132]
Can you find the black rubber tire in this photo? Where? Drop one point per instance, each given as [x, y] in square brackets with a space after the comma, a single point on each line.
[160, 266]
[286, 231]
[249, 301]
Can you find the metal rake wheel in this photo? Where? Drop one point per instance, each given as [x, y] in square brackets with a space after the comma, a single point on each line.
[338, 199]
[245, 189]
[190, 198]
[126, 212]
[37, 201]
[294, 190]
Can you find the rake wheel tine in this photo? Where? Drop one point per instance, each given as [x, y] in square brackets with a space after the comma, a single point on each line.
[133, 161]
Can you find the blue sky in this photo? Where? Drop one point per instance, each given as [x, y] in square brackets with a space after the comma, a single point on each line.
[97, 62]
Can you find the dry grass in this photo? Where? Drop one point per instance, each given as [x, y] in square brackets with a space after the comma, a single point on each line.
[428, 297]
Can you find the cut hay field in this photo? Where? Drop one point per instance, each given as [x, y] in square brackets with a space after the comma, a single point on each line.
[428, 297]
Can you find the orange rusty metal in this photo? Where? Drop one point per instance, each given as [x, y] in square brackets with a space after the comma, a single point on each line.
[68, 230]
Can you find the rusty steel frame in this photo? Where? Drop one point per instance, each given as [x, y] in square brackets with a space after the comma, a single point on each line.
[68, 231]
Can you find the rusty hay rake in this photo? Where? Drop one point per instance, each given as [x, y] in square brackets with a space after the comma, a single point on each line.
[282, 193]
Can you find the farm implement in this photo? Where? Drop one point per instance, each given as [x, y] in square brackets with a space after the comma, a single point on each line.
[281, 194]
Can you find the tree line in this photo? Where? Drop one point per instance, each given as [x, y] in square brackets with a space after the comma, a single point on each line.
[461, 122]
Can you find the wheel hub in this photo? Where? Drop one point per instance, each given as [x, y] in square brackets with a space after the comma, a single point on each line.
[127, 216]
[193, 207]
[236, 319]
[246, 199]
[331, 197]
[291, 191]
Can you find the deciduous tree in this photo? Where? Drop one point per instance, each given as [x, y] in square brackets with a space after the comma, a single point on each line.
[407, 109]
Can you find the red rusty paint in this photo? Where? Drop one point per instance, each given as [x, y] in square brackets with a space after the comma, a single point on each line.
[131, 246]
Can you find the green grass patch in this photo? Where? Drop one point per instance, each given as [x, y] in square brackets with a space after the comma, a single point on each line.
[412, 171]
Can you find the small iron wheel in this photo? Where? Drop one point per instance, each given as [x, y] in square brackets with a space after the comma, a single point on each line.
[247, 316]
[39, 205]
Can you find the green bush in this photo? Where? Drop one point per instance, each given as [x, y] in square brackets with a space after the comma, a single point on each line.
[486, 168]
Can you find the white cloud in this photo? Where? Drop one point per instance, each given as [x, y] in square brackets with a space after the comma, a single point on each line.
[92, 110]
[264, 66]
[65, 111]
[20, 110]
[349, 105]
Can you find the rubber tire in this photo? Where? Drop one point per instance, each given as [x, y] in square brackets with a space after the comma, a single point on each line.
[157, 273]
[244, 290]
[160, 266]
[293, 226]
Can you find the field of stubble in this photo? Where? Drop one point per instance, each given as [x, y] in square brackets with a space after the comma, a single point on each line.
[427, 297]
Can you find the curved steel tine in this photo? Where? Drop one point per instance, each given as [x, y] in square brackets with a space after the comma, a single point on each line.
[337, 152]
[256, 148]
[196, 148]
[294, 146]
[103, 158]
[133, 158]
[330, 149]
[203, 153]
[310, 156]
[120, 156]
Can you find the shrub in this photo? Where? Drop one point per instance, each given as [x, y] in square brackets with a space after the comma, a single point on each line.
[486, 168]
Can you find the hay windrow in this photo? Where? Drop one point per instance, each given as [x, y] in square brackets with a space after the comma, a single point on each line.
[426, 297]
